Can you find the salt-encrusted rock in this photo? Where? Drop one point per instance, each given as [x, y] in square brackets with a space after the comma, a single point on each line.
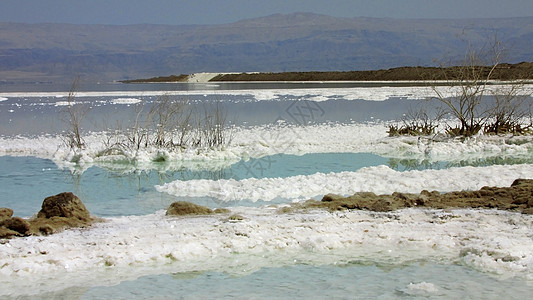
[181, 208]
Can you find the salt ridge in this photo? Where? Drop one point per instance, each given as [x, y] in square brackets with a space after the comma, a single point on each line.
[380, 180]
[260, 141]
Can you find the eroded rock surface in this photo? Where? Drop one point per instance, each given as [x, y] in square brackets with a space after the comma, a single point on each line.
[57, 213]
[517, 197]
[181, 208]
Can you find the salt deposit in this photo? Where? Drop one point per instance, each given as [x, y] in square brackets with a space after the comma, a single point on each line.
[260, 141]
[125, 248]
[125, 101]
[315, 94]
[380, 180]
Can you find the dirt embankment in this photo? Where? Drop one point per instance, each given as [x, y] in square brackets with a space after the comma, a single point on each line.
[522, 70]
[171, 78]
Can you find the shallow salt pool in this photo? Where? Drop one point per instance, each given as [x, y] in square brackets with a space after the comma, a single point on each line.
[112, 193]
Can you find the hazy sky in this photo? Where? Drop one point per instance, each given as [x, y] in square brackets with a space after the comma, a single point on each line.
[227, 11]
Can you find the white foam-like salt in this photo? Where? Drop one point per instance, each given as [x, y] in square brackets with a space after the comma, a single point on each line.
[380, 180]
[260, 141]
[125, 101]
[315, 94]
[64, 103]
[124, 248]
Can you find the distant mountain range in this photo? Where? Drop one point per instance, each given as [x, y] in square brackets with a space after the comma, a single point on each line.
[276, 43]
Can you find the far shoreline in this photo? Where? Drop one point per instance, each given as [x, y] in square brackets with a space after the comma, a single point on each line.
[399, 76]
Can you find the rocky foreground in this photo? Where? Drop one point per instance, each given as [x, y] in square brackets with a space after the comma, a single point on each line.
[57, 213]
[65, 210]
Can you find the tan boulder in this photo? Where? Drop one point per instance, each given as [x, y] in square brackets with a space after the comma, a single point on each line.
[60, 212]
[181, 208]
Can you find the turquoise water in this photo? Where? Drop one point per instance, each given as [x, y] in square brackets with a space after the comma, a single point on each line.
[26, 181]
[107, 193]
[355, 280]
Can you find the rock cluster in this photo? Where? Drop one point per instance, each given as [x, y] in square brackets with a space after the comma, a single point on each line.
[517, 197]
[182, 208]
[57, 213]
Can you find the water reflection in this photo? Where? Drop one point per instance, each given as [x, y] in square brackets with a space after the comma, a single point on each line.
[426, 164]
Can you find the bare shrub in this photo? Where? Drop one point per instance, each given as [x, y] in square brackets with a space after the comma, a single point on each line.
[416, 122]
[73, 115]
[210, 126]
[172, 124]
[510, 113]
[468, 103]
[168, 118]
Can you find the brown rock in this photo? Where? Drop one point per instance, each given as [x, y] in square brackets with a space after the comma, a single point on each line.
[330, 197]
[409, 200]
[236, 217]
[382, 205]
[60, 212]
[522, 197]
[181, 208]
[18, 225]
[6, 233]
[5, 213]
[518, 197]
[486, 191]
[528, 211]
[521, 181]
[66, 205]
